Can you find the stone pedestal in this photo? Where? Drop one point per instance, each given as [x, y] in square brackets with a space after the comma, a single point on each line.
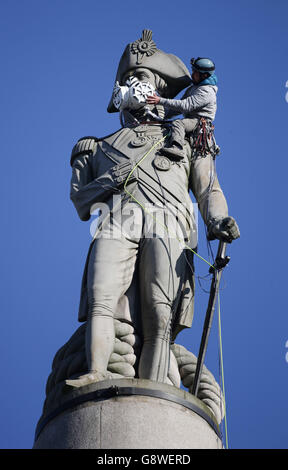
[127, 414]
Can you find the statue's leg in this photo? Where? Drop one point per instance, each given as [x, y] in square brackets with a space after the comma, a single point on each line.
[110, 272]
[162, 268]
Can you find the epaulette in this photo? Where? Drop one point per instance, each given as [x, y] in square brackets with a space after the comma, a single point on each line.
[85, 145]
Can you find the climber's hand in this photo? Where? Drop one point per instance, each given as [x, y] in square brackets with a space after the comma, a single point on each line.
[153, 99]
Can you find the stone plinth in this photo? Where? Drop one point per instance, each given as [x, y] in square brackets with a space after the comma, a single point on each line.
[128, 414]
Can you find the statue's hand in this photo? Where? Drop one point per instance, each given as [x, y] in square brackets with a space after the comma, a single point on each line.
[124, 173]
[225, 229]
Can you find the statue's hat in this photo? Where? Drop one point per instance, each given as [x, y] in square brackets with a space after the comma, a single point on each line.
[143, 53]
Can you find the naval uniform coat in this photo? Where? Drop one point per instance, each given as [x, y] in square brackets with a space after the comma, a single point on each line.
[92, 181]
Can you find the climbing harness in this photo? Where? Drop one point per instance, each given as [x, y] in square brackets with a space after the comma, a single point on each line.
[202, 139]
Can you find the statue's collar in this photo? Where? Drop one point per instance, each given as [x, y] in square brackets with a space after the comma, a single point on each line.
[127, 140]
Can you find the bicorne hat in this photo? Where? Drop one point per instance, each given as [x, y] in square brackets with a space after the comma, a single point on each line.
[143, 53]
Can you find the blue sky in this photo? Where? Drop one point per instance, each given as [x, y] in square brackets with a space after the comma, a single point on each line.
[59, 60]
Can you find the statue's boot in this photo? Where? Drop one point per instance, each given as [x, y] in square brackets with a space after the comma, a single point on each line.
[174, 152]
[89, 378]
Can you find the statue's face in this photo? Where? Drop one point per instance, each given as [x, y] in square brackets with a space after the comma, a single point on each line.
[132, 95]
[142, 74]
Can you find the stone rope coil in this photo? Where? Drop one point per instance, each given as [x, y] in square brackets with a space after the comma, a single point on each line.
[70, 362]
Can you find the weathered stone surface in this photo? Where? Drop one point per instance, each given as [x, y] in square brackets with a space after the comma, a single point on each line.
[131, 422]
[70, 361]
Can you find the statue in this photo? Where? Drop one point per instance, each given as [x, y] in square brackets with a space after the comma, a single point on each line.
[139, 268]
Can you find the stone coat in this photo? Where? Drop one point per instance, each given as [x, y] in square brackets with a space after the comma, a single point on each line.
[91, 183]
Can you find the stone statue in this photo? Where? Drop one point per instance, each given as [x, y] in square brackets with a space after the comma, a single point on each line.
[71, 359]
[139, 268]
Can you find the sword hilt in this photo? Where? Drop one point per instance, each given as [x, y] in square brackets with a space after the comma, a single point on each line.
[221, 260]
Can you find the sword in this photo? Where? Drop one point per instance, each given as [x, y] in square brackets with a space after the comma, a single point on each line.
[216, 269]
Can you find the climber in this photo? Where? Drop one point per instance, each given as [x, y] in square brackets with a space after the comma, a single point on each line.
[198, 105]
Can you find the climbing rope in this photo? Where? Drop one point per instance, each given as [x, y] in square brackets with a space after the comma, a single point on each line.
[222, 370]
[144, 208]
[202, 258]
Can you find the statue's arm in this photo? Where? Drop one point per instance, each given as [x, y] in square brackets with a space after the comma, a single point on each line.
[211, 200]
[86, 189]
